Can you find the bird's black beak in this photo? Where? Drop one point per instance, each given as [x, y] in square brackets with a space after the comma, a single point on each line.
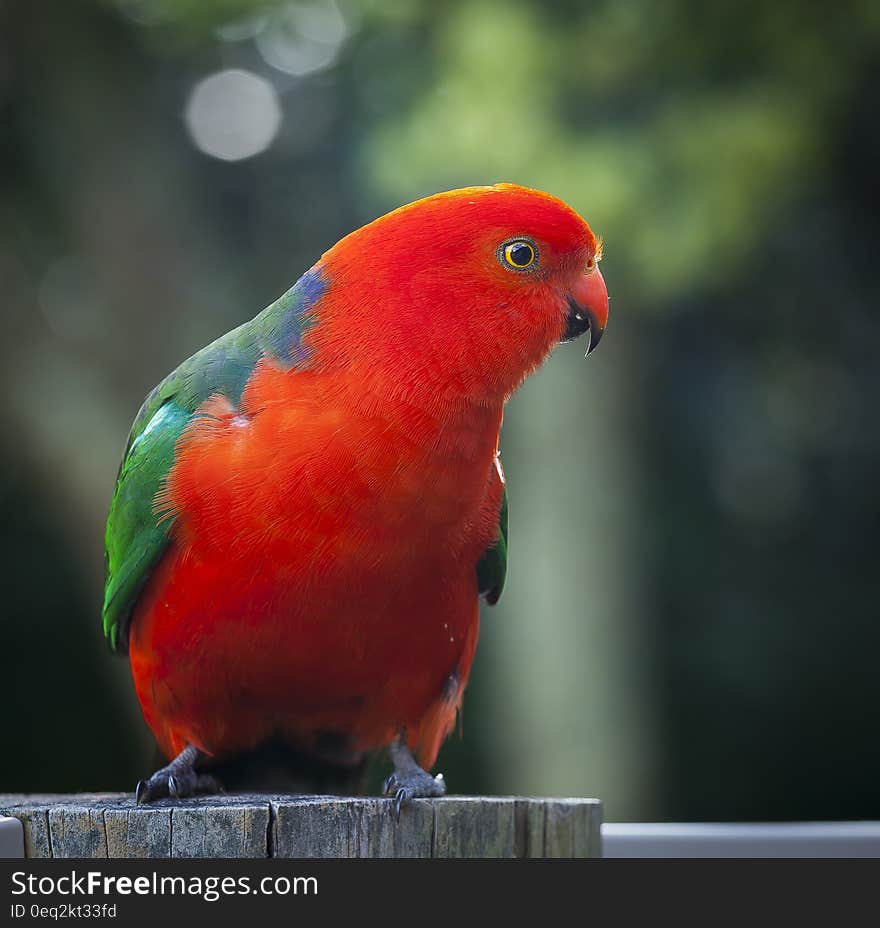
[587, 309]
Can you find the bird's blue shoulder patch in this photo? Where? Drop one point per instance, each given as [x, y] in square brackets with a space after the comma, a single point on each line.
[313, 284]
[288, 318]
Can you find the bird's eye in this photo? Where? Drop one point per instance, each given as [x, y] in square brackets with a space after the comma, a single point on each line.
[519, 254]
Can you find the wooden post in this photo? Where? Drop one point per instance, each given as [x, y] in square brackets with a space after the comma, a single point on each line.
[111, 825]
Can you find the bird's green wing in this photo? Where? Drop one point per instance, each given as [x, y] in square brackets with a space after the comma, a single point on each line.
[492, 567]
[136, 537]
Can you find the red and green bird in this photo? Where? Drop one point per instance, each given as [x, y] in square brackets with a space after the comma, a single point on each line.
[310, 508]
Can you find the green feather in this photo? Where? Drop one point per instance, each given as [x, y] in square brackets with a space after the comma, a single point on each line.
[492, 567]
[136, 537]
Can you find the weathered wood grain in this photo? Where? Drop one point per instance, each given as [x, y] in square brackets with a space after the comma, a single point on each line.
[330, 827]
[474, 827]
[229, 826]
[572, 828]
[133, 832]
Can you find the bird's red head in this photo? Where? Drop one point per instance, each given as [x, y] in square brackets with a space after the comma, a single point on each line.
[465, 291]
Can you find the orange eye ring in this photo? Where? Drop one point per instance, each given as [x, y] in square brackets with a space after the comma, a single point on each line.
[519, 255]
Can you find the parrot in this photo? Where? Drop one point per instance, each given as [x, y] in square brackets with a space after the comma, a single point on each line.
[310, 509]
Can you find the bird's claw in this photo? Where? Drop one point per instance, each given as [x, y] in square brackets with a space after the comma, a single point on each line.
[176, 783]
[141, 793]
[417, 784]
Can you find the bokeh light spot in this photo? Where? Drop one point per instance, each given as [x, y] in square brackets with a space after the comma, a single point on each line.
[303, 38]
[233, 115]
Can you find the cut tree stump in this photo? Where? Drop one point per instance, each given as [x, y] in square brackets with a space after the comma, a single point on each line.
[111, 825]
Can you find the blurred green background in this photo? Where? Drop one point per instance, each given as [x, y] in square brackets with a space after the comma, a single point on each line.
[690, 629]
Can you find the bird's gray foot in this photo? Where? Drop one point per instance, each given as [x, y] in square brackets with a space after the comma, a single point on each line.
[408, 780]
[178, 779]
